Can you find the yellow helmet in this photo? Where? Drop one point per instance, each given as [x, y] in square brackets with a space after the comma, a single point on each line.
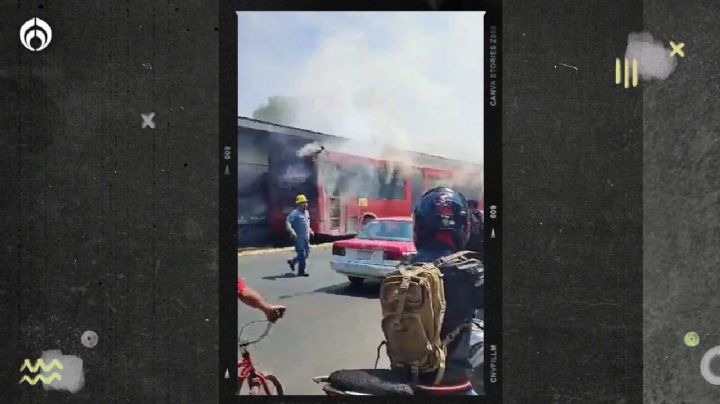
[300, 198]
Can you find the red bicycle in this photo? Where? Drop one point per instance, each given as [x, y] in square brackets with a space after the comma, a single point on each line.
[250, 380]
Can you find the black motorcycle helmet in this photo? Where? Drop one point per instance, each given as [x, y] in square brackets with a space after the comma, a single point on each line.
[441, 210]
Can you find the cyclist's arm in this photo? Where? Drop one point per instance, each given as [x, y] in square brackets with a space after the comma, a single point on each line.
[253, 299]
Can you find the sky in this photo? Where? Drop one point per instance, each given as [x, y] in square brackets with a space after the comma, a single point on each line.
[412, 80]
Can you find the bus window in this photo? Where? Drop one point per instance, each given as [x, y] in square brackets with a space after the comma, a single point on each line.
[357, 182]
[392, 184]
[347, 183]
[331, 178]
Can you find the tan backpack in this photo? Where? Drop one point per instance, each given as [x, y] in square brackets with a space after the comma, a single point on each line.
[413, 307]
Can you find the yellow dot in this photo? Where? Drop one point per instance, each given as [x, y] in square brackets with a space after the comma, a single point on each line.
[692, 338]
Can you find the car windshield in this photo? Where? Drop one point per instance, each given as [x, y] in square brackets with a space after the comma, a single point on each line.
[391, 230]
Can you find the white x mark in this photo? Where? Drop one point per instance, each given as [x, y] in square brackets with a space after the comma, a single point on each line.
[148, 120]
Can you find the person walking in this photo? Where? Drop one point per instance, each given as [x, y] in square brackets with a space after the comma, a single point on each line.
[298, 225]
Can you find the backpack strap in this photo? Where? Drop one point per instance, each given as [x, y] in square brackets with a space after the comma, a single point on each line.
[462, 260]
[443, 349]
[449, 258]
[414, 374]
[377, 358]
[402, 296]
[441, 367]
[454, 333]
[408, 371]
[452, 259]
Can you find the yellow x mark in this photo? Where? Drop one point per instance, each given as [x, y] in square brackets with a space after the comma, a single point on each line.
[677, 48]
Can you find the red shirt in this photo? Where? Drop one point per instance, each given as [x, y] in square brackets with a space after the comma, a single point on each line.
[240, 285]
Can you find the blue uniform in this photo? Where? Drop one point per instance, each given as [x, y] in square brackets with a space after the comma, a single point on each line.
[298, 221]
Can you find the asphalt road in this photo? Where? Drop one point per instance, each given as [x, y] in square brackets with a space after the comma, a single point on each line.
[326, 327]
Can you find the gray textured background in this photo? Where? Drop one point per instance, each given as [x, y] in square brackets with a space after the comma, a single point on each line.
[113, 228]
[681, 205]
[572, 191]
[106, 226]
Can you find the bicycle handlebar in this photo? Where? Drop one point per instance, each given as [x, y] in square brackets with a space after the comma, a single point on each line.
[258, 339]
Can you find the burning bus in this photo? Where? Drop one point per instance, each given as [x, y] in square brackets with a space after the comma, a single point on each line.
[346, 183]
[346, 190]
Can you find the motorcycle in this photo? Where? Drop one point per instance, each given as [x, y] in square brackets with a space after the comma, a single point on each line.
[372, 382]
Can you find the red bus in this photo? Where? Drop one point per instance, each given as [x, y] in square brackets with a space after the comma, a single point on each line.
[345, 191]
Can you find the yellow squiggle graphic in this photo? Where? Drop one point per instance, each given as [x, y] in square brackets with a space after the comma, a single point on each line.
[45, 380]
[41, 364]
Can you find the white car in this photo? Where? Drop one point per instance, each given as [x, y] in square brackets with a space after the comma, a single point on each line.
[379, 247]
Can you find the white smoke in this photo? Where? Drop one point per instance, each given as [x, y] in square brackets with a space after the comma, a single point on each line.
[310, 149]
[654, 60]
[391, 81]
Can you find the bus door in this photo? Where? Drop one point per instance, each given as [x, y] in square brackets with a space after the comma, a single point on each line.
[358, 186]
[352, 214]
[356, 197]
[341, 209]
[331, 212]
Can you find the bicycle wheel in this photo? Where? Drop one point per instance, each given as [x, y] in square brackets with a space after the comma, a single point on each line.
[273, 384]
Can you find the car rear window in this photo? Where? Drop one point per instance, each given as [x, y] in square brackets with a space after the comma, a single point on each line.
[390, 230]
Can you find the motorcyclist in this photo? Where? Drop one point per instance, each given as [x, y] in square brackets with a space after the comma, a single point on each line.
[441, 226]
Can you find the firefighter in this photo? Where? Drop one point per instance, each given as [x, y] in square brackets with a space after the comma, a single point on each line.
[477, 232]
[298, 225]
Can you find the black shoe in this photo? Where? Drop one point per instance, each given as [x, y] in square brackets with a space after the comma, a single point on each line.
[292, 267]
[305, 274]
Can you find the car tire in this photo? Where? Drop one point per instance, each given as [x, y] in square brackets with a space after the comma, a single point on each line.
[355, 282]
